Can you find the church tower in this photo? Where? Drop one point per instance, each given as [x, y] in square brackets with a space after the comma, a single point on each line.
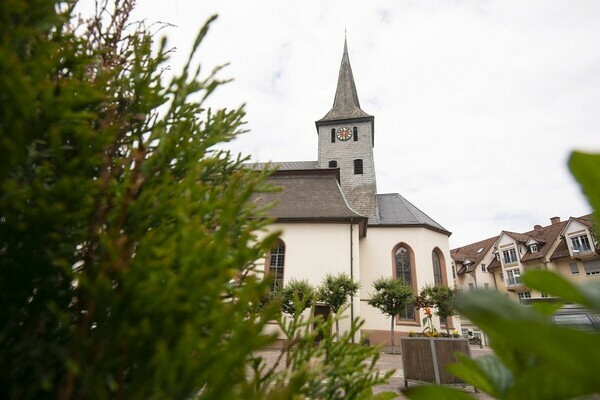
[346, 140]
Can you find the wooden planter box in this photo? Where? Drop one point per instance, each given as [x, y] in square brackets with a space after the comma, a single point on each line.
[424, 358]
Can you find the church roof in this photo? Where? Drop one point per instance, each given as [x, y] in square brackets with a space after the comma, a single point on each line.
[345, 104]
[308, 195]
[395, 210]
[284, 165]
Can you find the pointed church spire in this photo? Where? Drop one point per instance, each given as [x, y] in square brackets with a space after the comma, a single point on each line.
[345, 103]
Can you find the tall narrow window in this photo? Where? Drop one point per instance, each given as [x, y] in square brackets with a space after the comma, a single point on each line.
[276, 265]
[437, 269]
[355, 134]
[358, 167]
[332, 164]
[403, 271]
[333, 135]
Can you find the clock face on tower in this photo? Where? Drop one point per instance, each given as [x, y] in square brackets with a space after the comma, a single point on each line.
[344, 133]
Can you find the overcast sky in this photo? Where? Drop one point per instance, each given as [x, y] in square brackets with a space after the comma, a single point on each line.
[477, 104]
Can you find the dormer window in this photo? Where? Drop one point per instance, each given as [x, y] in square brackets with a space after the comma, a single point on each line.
[534, 248]
[581, 244]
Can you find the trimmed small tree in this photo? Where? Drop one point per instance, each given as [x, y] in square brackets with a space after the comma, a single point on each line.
[391, 297]
[440, 297]
[296, 296]
[335, 290]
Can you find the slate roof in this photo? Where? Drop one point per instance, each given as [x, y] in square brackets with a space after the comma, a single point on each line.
[345, 104]
[284, 165]
[470, 252]
[395, 210]
[308, 196]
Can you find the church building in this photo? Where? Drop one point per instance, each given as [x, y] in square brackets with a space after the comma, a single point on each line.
[332, 219]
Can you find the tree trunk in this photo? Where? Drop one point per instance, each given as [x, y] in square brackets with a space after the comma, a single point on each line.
[392, 330]
[337, 328]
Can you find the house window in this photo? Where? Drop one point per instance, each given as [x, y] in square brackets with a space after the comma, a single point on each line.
[534, 248]
[276, 265]
[453, 272]
[581, 244]
[437, 269]
[524, 295]
[358, 167]
[333, 135]
[403, 271]
[513, 277]
[574, 268]
[592, 267]
[355, 133]
[471, 286]
[486, 285]
[483, 268]
[510, 256]
[332, 164]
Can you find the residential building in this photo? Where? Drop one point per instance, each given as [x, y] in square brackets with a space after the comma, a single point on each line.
[569, 248]
[332, 219]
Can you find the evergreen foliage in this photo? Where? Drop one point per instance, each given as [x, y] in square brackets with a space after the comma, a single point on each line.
[296, 296]
[437, 296]
[335, 291]
[126, 238]
[316, 365]
[391, 297]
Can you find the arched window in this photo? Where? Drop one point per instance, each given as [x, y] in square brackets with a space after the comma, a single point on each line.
[358, 167]
[437, 269]
[440, 278]
[333, 164]
[332, 135]
[404, 270]
[355, 133]
[276, 263]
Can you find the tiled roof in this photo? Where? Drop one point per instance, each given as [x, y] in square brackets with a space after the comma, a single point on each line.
[345, 104]
[307, 196]
[519, 237]
[562, 250]
[284, 165]
[472, 252]
[395, 210]
[494, 264]
[546, 236]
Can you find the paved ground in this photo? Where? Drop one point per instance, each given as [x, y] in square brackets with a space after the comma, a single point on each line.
[388, 362]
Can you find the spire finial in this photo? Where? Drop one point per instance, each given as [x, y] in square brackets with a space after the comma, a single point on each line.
[345, 43]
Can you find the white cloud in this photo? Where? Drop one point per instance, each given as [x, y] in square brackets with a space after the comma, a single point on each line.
[476, 103]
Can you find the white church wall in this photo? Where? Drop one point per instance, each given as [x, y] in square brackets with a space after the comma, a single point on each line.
[313, 250]
[377, 260]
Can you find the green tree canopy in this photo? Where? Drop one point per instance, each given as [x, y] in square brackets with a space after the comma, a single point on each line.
[391, 297]
[440, 297]
[296, 296]
[335, 291]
